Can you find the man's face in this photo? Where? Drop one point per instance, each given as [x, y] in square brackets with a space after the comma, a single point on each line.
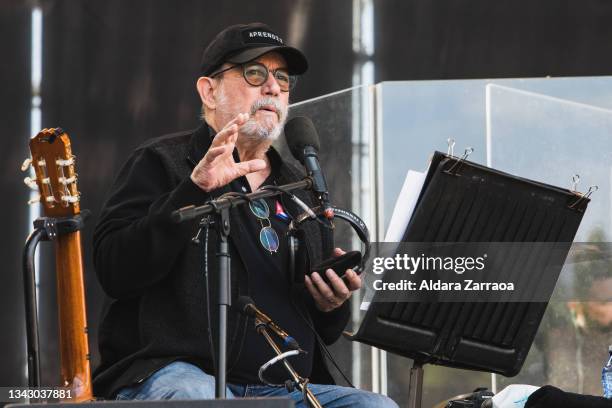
[266, 104]
[595, 312]
[600, 311]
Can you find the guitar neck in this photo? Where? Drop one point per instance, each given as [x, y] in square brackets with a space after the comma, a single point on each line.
[74, 349]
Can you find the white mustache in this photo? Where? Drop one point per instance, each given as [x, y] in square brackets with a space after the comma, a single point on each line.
[268, 101]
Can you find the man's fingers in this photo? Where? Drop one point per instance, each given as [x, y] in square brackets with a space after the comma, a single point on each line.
[353, 280]
[339, 252]
[323, 288]
[337, 284]
[235, 123]
[241, 119]
[222, 137]
[215, 152]
[251, 166]
[313, 291]
[230, 130]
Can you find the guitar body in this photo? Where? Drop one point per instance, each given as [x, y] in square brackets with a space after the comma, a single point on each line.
[53, 162]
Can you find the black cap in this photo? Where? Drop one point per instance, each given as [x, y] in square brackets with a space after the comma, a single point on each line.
[243, 43]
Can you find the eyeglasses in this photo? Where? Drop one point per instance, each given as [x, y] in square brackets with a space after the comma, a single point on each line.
[267, 235]
[256, 74]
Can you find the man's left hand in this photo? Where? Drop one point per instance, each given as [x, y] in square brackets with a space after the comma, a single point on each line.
[330, 296]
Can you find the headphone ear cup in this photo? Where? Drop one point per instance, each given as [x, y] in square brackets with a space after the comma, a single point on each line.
[360, 228]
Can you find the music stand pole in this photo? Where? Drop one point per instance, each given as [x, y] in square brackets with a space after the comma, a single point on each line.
[415, 387]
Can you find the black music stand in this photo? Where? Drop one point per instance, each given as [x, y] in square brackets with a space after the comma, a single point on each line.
[466, 202]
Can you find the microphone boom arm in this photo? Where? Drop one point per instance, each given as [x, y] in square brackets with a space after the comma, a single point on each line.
[191, 211]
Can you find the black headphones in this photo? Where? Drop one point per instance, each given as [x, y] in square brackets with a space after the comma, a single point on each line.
[354, 259]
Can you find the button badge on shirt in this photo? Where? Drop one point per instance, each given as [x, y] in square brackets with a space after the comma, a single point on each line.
[280, 213]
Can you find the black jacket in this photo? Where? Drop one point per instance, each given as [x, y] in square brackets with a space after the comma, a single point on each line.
[153, 272]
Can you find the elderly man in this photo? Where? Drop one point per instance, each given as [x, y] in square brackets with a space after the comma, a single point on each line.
[155, 339]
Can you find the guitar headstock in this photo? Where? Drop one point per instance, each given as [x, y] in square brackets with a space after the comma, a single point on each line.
[54, 164]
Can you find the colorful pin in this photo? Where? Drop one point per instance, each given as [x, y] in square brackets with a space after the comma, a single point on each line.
[280, 212]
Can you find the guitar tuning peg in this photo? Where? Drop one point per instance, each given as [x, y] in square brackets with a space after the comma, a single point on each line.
[65, 163]
[34, 200]
[26, 164]
[28, 181]
[70, 199]
[67, 180]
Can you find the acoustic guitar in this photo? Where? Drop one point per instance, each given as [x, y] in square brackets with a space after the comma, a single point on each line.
[56, 181]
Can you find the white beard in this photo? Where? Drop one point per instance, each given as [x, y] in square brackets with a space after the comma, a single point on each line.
[256, 130]
[263, 130]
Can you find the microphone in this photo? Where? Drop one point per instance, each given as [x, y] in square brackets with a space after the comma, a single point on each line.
[246, 305]
[303, 141]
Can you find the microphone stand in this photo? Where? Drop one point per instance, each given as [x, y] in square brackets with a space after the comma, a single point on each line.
[215, 206]
[302, 383]
[219, 209]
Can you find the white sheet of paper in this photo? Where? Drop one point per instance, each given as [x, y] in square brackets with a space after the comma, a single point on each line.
[402, 212]
[404, 206]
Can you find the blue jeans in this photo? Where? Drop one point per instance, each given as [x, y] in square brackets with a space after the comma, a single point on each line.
[184, 381]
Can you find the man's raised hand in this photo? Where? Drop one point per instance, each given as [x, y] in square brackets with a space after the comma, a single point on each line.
[218, 167]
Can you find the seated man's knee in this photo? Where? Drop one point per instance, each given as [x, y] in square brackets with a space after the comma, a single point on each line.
[369, 399]
[351, 397]
[383, 402]
[177, 380]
